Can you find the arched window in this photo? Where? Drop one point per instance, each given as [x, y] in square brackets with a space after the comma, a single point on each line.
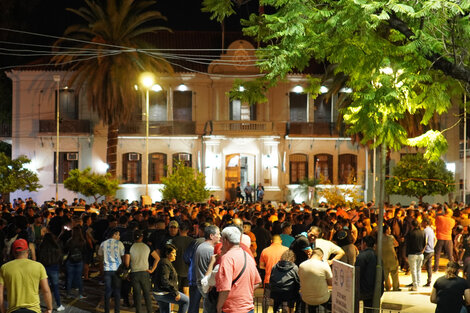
[347, 168]
[157, 167]
[323, 165]
[131, 168]
[186, 158]
[298, 168]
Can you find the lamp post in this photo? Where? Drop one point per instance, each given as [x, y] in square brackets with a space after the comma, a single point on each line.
[57, 80]
[147, 80]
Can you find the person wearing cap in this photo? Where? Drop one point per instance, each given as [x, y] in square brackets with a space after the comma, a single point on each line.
[22, 279]
[449, 291]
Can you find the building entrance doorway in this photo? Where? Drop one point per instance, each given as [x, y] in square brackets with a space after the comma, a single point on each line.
[238, 168]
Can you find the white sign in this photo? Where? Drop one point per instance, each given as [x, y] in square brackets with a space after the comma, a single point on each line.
[342, 295]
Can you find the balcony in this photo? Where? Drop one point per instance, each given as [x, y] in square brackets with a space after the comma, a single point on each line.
[159, 128]
[65, 127]
[243, 128]
[320, 129]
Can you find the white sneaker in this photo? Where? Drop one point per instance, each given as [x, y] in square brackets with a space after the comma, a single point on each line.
[61, 308]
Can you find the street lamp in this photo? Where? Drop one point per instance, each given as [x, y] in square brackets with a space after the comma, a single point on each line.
[57, 80]
[147, 80]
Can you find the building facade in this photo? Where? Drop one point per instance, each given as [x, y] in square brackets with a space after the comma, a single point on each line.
[192, 119]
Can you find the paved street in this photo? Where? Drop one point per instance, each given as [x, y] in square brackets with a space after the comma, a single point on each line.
[403, 301]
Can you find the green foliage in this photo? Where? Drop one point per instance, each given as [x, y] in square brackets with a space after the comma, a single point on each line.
[185, 184]
[110, 78]
[251, 91]
[91, 184]
[415, 177]
[14, 175]
[343, 196]
[424, 43]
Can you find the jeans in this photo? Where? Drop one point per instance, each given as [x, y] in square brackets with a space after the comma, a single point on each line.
[141, 283]
[194, 299]
[165, 300]
[74, 276]
[209, 305]
[53, 278]
[112, 286]
[448, 249]
[415, 261]
[266, 298]
[428, 264]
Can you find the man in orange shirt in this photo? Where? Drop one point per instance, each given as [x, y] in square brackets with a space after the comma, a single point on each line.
[444, 225]
[269, 257]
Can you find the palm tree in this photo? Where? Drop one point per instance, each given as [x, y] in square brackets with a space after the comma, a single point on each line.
[112, 35]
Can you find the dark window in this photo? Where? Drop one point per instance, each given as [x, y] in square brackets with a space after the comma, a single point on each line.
[68, 104]
[242, 111]
[298, 165]
[324, 167]
[157, 106]
[67, 161]
[322, 109]
[347, 168]
[186, 158]
[157, 167]
[131, 168]
[182, 105]
[298, 103]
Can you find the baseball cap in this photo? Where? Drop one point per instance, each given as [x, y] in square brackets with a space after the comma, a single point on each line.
[20, 245]
[173, 223]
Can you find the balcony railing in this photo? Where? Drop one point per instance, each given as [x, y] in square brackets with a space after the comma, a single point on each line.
[65, 126]
[239, 127]
[159, 128]
[313, 129]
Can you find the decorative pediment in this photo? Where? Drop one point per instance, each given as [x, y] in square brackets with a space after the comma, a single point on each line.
[239, 59]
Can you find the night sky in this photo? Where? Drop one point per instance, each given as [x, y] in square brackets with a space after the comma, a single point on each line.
[50, 17]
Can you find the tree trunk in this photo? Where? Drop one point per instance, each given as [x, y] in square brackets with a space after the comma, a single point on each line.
[111, 150]
[380, 220]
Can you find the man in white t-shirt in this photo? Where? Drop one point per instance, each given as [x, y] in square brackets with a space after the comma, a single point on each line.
[328, 248]
[111, 251]
[315, 277]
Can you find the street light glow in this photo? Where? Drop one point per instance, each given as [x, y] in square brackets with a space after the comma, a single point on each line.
[156, 88]
[298, 89]
[147, 79]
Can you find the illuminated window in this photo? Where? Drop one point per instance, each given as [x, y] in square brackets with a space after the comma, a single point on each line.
[347, 168]
[298, 168]
[67, 161]
[186, 158]
[242, 111]
[324, 167]
[157, 167]
[131, 168]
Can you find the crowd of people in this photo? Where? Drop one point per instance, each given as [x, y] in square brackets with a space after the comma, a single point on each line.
[218, 252]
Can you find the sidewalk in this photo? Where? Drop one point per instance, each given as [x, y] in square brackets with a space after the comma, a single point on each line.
[393, 302]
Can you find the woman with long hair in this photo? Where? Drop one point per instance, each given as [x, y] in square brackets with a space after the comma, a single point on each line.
[450, 290]
[75, 248]
[50, 255]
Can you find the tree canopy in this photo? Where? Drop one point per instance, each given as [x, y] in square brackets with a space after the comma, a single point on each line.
[400, 57]
[14, 175]
[91, 184]
[112, 39]
[185, 184]
[414, 177]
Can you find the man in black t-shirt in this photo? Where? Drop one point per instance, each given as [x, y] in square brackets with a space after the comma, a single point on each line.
[448, 290]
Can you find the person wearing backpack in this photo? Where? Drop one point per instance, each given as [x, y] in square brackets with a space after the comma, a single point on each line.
[75, 248]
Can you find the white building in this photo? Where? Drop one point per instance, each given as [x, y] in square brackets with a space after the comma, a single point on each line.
[275, 143]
